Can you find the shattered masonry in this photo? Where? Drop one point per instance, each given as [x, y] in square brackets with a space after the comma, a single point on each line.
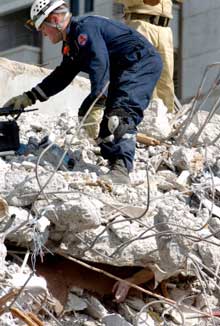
[167, 220]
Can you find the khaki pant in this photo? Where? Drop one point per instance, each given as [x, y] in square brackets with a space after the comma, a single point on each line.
[162, 39]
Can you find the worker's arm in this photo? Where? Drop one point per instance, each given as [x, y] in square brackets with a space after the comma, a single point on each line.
[96, 52]
[57, 80]
[120, 288]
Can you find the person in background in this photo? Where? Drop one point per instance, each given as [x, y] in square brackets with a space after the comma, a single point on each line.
[151, 18]
[123, 68]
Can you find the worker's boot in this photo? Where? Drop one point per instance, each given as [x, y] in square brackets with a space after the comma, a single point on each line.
[118, 173]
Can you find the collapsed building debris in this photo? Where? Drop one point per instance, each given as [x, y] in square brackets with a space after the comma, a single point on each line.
[166, 220]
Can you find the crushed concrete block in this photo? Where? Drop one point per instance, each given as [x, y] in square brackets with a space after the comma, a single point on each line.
[35, 284]
[74, 215]
[188, 159]
[22, 236]
[23, 186]
[7, 320]
[114, 319]
[95, 309]
[209, 253]
[156, 123]
[75, 303]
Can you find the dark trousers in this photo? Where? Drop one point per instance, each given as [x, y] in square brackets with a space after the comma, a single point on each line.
[132, 81]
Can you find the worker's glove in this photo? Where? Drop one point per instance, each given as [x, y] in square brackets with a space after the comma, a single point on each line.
[93, 120]
[19, 102]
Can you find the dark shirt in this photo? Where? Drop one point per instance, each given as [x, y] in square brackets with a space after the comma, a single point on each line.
[97, 46]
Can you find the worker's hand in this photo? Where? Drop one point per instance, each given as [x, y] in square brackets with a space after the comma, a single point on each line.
[94, 118]
[19, 102]
[120, 289]
[151, 2]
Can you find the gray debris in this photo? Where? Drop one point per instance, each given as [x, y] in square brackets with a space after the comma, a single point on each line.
[166, 220]
[114, 319]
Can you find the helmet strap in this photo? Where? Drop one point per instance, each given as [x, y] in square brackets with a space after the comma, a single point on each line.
[58, 26]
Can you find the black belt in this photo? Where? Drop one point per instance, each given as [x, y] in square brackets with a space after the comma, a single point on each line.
[155, 20]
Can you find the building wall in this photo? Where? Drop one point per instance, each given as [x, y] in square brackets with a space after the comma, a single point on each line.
[12, 31]
[102, 7]
[200, 43]
[9, 6]
[175, 25]
[23, 53]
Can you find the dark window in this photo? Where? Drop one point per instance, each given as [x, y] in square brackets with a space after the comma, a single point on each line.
[89, 6]
[13, 33]
[74, 7]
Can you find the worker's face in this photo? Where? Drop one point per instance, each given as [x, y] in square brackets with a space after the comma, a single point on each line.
[54, 35]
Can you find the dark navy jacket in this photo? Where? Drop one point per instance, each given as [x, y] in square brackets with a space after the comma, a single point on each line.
[95, 45]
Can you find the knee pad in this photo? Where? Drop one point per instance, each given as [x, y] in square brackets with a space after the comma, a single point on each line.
[115, 124]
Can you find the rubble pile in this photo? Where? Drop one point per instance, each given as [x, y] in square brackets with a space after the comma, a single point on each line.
[167, 220]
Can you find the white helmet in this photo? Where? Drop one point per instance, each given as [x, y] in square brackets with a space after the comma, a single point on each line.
[41, 9]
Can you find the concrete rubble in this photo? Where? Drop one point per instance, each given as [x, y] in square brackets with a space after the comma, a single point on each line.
[167, 220]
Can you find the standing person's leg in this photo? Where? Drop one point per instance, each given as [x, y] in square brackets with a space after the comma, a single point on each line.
[129, 94]
[162, 39]
[165, 86]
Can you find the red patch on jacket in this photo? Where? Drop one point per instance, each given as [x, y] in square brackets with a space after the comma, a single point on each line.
[66, 50]
[82, 39]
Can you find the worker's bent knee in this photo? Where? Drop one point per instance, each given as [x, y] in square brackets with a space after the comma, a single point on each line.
[116, 124]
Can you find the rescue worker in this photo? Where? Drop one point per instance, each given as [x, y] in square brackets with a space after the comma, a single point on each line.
[151, 18]
[108, 51]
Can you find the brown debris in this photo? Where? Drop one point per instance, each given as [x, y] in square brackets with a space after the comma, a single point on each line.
[30, 319]
[100, 183]
[3, 208]
[146, 140]
[5, 299]
[35, 318]
[163, 286]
